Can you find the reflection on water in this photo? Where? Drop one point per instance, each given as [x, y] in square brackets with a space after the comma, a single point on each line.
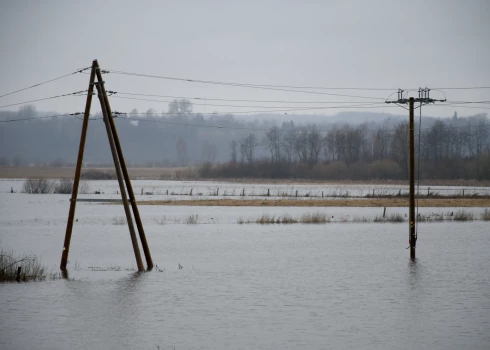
[252, 286]
[414, 270]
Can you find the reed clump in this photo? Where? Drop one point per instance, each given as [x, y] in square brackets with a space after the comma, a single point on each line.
[463, 215]
[485, 216]
[31, 268]
[266, 219]
[271, 219]
[314, 218]
[192, 219]
[119, 221]
[394, 217]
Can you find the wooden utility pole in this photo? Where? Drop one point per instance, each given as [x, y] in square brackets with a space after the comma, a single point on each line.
[423, 99]
[125, 173]
[78, 169]
[412, 237]
[121, 172]
[120, 180]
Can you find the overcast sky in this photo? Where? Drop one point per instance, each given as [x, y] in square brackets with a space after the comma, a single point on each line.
[360, 44]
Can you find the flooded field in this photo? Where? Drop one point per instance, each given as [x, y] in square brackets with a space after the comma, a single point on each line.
[250, 286]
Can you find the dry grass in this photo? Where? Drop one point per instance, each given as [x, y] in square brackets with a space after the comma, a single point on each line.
[463, 215]
[192, 219]
[14, 172]
[119, 220]
[378, 202]
[31, 268]
[314, 218]
[11, 172]
[394, 217]
[268, 219]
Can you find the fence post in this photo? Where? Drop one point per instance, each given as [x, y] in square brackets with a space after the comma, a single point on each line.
[17, 277]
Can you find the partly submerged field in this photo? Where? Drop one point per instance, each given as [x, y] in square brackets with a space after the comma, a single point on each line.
[333, 279]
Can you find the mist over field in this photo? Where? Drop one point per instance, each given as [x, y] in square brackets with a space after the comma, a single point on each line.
[347, 145]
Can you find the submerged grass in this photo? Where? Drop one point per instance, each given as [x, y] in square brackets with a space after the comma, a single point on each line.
[119, 220]
[321, 218]
[315, 218]
[485, 216]
[463, 215]
[31, 268]
[192, 219]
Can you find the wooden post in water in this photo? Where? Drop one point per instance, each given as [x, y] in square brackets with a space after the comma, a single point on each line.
[412, 238]
[78, 169]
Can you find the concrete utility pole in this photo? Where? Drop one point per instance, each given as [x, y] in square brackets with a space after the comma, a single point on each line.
[423, 99]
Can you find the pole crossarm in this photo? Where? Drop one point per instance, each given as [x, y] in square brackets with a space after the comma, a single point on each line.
[424, 97]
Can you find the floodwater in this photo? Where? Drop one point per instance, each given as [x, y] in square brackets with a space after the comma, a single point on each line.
[247, 286]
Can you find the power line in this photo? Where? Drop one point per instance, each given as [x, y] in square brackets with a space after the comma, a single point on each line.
[243, 106]
[230, 100]
[458, 105]
[463, 88]
[44, 82]
[38, 118]
[360, 106]
[251, 86]
[77, 93]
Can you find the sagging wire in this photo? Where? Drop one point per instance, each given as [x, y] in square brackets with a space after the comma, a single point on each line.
[45, 82]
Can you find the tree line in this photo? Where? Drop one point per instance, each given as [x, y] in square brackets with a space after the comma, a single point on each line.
[448, 149]
[223, 146]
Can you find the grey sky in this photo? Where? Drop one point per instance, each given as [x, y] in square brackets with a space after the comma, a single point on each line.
[370, 44]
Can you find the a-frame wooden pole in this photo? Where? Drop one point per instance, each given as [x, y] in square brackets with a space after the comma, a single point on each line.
[78, 169]
[124, 169]
[117, 165]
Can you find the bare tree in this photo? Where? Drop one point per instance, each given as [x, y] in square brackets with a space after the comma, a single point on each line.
[180, 107]
[181, 147]
[380, 143]
[248, 147]
[233, 145]
[481, 137]
[314, 143]
[400, 146]
[301, 144]
[209, 152]
[288, 141]
[273, 141]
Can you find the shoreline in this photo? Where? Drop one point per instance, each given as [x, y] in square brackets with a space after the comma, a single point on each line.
[169, 174]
